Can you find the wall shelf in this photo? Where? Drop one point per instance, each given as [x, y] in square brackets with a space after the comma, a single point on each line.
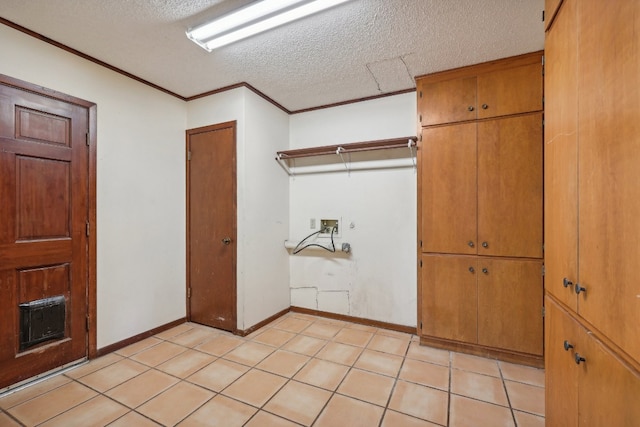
[341, 149]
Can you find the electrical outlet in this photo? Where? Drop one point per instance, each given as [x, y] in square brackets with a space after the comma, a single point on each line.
[329, 226]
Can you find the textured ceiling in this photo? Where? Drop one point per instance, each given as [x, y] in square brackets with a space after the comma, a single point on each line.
[359, 49]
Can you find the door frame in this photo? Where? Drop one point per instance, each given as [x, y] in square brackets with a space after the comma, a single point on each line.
[91, 279]
[224, 125]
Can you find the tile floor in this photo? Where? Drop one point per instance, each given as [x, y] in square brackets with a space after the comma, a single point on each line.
[298, 370]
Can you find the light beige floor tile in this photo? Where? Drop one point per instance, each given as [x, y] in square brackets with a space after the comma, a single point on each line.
[526, 397]
[353, 337]
[180, 329]
[522, 374]
[424, 373]
[249, 353]
[380, 363]
[186, 363]
[273, 337]
[420, 401]
[468, 412]
[220, 412]
[255, 387]
[98, 411]
[298, 402]
[367, 386]
[345, 411]
[138, 390]
[293, 324]
[359, 327]
[220, 345]
[158, 354]
[322, 330]
[395, 334]
[321, 373]
[94, 365]
[428, 354]
[339, 353]
[396, 419]
[308, 346]
[528, 420]
[55, 402]
[7, 421]
[476, 364]
[133, 419]
[176, 403]
[265, 419]
[388, 345]
[218, 375]
[32, 391]
[283, 363]
[478, 386]
[113, 375]
[138, 347]
[193, 337]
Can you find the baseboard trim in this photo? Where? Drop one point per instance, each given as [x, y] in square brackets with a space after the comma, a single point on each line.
[245, 332]
[358, 320]
[134, 339]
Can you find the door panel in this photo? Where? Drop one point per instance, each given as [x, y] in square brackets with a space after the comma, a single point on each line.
[447, 101]
[44, 181]
[212, 226]
[511, 91]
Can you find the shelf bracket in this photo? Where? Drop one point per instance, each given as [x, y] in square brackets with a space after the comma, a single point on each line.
[411, 144]
[283, 164]
[339, 151]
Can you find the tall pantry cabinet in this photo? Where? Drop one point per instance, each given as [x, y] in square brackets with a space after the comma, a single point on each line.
[592, 213]
[480, 209]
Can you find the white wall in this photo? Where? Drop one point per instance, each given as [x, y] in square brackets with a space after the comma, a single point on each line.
[140, 184]
[378, 279]
[262, 262]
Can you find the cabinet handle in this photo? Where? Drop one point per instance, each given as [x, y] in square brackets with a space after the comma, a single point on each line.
[567, 283]
[580, 288]
[470, 108]
[485, 106]
[470, 244]
[567, 345]
[226, 240]
[485, 244]
[579, 359]
[472, 270]
[485, 271]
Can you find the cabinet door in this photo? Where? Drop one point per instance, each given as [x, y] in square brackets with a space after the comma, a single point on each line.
[449, 189]
[561, 157]
[510, 304]
[550, 8]
[511, 91]
[609, 169]
[561, 372]
[510, 186]
[447, 101]
[449, 298]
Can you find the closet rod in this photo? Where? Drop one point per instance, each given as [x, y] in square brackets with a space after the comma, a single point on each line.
[382, 144]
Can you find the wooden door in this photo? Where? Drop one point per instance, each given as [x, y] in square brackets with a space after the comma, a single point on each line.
[447, 101]
[510, 298]
[561, 156]
[609, 169]
[561, 372]
[550, 10]
[211, 252]
[44, 208]
[449, 298]
[511, 91]
[510, 186]
[449, 189]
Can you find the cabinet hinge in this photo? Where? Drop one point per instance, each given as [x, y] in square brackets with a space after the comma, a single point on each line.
[544, 312]
[87, 322]
[420, 325]
[420, 243]
[188, 155]
[86, 138]
[420, 137]
[188, 292]
[420, 94]
[543, 16]
[543, 271]
[420, 118]
[87, 228]
[420, 263]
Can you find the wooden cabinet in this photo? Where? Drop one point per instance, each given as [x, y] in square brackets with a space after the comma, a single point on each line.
[499, 88]
[592, 206]
[480, 209]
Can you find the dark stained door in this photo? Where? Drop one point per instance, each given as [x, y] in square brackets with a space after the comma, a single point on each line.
[44, 184]
[211, 234]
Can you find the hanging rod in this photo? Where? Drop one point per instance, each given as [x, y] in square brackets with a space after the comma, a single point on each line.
[382, 144]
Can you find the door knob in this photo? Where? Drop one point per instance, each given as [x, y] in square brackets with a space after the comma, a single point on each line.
[485, 106]
[485, 271]
[472, 270]
[567, 345]
[226, 240]
[579, 359]
[567, 283]
[485, 244]
[580, 288]
[470, 108]
[470, 244]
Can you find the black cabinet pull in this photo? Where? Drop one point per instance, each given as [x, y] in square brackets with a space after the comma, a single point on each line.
[567, 345]
[485, 244]
[566, 282]
[485, 271]
[470, 108]
[472, 270]
[580, 288]
[485, 106]
[470, 244]
[579, 359]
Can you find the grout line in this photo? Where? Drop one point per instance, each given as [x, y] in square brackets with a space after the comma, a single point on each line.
[504, 386]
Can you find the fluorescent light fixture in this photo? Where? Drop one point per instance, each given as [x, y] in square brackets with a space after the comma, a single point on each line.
[253, 19]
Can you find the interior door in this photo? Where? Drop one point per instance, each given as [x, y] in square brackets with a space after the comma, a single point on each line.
[211, 235]
[44, 201]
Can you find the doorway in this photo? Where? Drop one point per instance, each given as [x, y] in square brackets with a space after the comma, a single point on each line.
[47, 212]
[211, 226]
